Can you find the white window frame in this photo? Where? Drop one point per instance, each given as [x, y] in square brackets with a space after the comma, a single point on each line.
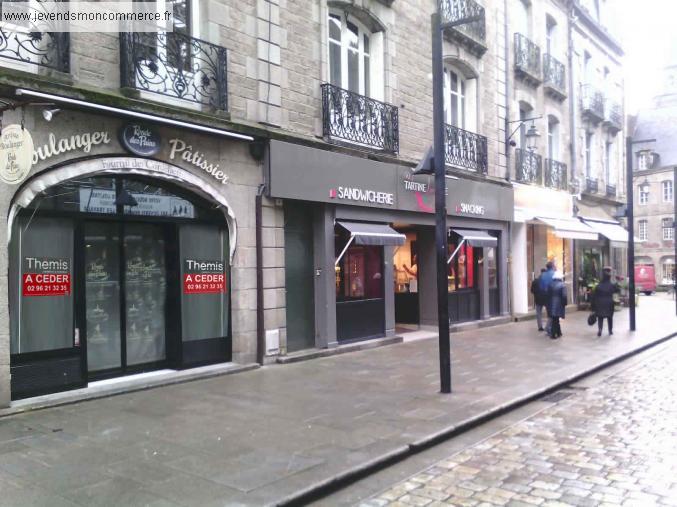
[553, 138]
[668, 191]
[465, 94]
[643, 230]
[374, 67]
[643, 198]
[667, 271]
[550, 35]
[669, 231]
[589, 143]
[609, 172]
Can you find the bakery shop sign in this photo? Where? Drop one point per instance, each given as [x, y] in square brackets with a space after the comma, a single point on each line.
[16, 154]
[203, 277]
[46, 277]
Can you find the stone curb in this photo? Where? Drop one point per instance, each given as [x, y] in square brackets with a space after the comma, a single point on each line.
[296, 357]
[77, 396]
[326, 486]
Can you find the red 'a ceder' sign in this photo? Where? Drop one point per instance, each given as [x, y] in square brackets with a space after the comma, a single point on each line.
[46, 277]
[204, 277]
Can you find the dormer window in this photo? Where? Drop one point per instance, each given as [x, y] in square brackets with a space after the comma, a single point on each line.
[644, 160]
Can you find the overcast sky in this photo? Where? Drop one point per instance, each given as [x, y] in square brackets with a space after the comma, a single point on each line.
[648, 31]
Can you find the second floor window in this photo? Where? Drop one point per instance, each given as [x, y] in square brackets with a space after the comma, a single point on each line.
[350, 54]
[455, 104]
[644, 160]
[642, 230]
[588, 155]
[608, 169]
[643, 197]
[668, 229]
[553, 138]
[667, 189]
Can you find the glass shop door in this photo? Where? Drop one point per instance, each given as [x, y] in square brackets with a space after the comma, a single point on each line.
[125, 297]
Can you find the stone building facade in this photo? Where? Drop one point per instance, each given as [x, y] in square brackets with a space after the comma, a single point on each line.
[290, 128]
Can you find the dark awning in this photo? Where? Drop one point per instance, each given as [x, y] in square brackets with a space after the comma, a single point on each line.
[476, 238]
[373, 234]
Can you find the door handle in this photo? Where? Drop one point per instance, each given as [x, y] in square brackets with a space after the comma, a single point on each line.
[76, 337]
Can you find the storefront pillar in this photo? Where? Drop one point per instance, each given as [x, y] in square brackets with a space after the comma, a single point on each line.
[504, 275]
[325, 282]
[389, 292]
[484, 289]
[520, 276]
[427, 296]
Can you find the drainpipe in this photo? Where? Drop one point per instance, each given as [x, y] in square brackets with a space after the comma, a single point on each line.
[572, 132]
[260, 332]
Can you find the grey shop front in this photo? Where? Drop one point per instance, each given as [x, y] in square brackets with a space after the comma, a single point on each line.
[359, 246]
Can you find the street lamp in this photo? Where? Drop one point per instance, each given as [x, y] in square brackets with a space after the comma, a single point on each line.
[644, 186]
[532, 136]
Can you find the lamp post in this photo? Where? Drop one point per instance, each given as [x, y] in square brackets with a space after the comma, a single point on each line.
[631, 223]
[436, 160]
[532, 136]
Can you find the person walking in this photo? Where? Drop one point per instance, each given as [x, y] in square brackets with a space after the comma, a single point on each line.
[557, 301]
[603, 302]
[544, 283]
[540, 299]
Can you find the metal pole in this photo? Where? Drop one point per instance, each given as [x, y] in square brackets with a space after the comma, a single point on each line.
[631, 231]
[440, 206]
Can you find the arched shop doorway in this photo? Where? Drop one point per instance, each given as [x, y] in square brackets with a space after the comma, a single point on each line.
[114, 274]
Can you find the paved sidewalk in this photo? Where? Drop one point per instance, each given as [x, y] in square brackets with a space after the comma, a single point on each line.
[258, 437]
[610, 445]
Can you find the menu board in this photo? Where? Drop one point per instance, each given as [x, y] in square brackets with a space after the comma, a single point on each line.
[44, 276]
[203, 277]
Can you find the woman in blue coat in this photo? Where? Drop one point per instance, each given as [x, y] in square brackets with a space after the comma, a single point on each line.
[557, 302]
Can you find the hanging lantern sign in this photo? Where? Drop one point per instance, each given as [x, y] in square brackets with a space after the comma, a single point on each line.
[16, 154]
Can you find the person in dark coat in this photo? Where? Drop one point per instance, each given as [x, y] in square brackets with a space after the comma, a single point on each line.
[544, 283]
[540, 299]
[603, 302]
[557, 302]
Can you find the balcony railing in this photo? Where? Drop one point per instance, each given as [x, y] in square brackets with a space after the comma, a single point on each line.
[554, 77]
[45, 49]
[472, 35]
[613, 116]
[527, 60]
[611, 190]
[175, 65]
[591, 185]
[592, 103]
[555, 174]
[528, 167]
[358, 119]
[466, 150]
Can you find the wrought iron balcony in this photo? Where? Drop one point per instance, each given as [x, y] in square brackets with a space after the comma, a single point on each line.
[527, 60]
[554, 77]
[44, 49]
[591, 185]
[555, 174]
[528, 167]
[175, 65]
[592, 103]
[613, 116]
[358, 119]
[466, 150]
[611, 190]
[471, 35]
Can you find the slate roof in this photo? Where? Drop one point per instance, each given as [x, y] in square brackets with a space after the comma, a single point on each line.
[660, 124]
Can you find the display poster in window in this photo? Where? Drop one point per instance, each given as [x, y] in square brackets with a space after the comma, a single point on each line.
[203, 276]
[44, 276]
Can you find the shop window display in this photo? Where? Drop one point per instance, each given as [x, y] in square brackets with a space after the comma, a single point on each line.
[359, 273]
[405, 263]
[461, 274]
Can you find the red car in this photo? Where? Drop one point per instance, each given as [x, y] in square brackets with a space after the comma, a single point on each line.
[645, 279]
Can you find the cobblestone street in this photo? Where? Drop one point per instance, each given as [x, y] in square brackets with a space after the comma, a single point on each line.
[612, 444]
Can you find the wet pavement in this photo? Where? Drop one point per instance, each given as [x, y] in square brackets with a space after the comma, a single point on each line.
[258, 437]
[609, 445]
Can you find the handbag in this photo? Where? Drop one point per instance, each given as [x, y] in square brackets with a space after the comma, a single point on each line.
[592, 319]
